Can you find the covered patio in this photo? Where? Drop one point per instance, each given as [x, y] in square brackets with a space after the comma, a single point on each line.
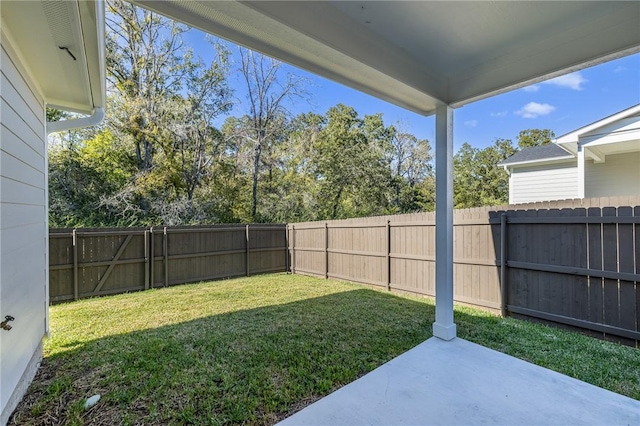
[432, 57]
[427, 57]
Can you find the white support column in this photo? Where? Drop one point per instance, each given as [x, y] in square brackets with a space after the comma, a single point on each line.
[444, 327]
[580, 171]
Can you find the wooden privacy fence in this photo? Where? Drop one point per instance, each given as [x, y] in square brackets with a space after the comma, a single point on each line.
[578, 266]
[94, 262]
[398, 253]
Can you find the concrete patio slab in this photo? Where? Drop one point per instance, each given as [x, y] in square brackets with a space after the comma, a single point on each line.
[461, 383]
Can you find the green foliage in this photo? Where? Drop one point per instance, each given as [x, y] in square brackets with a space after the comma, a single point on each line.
[80, 178]
[55, 114]
[477, 178]
[535, 137]
[413, 182]
[160, 159]
[350, 164]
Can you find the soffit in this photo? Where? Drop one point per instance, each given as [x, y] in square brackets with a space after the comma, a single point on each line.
[40, 28]
[420, 54]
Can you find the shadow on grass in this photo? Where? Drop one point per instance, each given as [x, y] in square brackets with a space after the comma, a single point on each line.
[252, 366]
[261, 365]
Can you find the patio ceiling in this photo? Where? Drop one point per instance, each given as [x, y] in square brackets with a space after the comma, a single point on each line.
[421, 54]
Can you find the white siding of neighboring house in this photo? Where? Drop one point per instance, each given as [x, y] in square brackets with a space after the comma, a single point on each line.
[23, 226]
[618, 175]
[543, 183]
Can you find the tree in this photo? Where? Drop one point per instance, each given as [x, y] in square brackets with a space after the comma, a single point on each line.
[534, 137]
[165, 101]
[412, 167]
[268, 93]
[81, 177]
[351, 165]
[196, 143]
[146, 64]
[478, 180]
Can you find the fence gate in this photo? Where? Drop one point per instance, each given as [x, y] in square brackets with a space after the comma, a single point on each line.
[85, 263]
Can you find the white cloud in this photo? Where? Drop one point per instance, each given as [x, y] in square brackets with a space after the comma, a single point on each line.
[619, 68]
[499, 113]
[471, 123]
[534, 109]
[532, 88]
[573, 81]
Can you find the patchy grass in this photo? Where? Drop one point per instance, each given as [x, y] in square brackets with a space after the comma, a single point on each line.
[255, 350]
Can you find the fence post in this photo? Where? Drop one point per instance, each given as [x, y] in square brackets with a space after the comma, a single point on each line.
[286, 248]
[146, 260]
[152, 255]
[74, 238]
[165, 249]
[388, 238]
[247, 247]
[326, 251]
[503, 263]
[293, 249]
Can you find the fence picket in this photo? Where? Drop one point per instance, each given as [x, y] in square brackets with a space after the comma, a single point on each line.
[627, 296]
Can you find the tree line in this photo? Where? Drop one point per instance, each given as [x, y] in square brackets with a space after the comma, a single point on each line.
[159, 158]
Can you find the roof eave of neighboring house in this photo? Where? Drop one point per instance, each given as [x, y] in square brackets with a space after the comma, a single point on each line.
[560, 154]
[543, 161]
[570, 140]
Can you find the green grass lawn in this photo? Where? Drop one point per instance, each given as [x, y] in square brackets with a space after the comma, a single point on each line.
[255, 350]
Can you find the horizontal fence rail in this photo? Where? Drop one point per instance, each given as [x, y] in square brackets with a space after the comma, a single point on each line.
[574, 262]
[95, 262]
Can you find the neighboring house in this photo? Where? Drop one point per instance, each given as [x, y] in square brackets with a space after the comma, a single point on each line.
[52, 55]
[598, 160]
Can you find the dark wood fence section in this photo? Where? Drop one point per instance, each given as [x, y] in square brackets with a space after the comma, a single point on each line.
[579, 267]
[96, 262]
[574, 262]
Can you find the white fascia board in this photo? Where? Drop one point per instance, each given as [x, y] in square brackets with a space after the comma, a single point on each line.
[92, 40]
[563, 159]
[611, 138]
[92, 18]
[574, 137]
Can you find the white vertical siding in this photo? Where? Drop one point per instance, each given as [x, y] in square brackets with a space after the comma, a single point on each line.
[618, 175]
[23, 225]
[543, 183]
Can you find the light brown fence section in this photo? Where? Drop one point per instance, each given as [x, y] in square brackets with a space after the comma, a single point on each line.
[94, 262]
[398, 253]
[575, 262]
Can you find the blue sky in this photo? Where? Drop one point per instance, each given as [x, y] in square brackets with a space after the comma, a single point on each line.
[562, 104]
